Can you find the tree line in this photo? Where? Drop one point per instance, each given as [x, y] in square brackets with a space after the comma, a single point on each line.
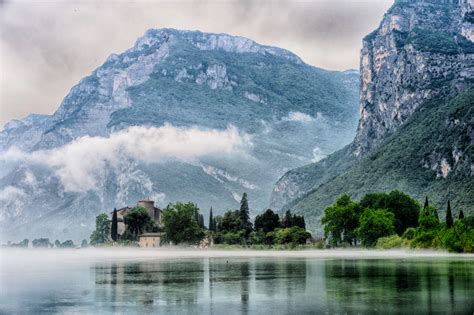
[395, 219]
[182, 223]
[235, 227]
[45, 243]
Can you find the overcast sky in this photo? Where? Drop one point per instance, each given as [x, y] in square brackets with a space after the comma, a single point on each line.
[48, 46]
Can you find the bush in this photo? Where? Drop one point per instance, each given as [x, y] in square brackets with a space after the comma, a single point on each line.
[387, 242]
[459, 238]
[234, 237]
[425, 239]
[409, 234]
[294, 235]
[452, 242]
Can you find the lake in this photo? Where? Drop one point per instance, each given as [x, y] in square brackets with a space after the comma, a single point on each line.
[232, 282]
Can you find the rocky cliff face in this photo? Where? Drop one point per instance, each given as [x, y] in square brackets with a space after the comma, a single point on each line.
[421, 50]
[57, 172]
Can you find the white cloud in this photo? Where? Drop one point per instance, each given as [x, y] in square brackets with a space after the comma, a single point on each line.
[302, 117]
[318, 155]
[11, 193]
[79, 163]
[236, 196]
[219, 173]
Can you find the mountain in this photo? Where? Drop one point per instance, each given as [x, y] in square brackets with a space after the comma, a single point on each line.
[415, 131]
[182, 115]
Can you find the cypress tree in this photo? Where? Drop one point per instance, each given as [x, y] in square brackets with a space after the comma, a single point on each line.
[113, 231]
[201, 221]
[215, 224]
[211, 221]
[435, 213]
[461, 215]
[244, 214]
[426, 203]
[449, 216]
[287, 220]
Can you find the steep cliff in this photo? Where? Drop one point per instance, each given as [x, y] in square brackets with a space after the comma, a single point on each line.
[422, 51]
[419, 52]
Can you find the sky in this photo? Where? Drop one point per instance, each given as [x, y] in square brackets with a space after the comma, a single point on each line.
[46, 47]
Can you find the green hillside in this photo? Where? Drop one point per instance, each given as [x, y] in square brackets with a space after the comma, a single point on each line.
[442, 130]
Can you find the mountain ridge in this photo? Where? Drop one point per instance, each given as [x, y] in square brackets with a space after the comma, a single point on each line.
[168, 79]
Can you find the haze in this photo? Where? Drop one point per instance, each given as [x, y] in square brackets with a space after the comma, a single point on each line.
[48, 46]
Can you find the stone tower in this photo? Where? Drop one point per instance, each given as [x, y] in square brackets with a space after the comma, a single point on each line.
[149, 205]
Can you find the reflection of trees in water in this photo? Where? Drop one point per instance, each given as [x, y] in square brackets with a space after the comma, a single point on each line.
[284, 286]
[398, 286]
[148, 283]
[244, 281]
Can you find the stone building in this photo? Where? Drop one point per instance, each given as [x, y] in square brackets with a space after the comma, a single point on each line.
[149, 240]
[148, 204]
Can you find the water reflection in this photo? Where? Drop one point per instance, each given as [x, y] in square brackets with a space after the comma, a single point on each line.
[400, 286]
[247, 285]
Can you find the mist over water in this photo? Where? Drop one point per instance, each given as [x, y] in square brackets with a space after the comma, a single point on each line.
[227, 282]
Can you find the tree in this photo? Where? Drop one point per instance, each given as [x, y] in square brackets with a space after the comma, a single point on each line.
[180, 225]
[113, 232]
[137, 221]
[84, 243]
[102, 229]
[461, 215]
[57, 243]
[426, 203]
[230, 222]
[374, 224]
[217, 223]
[293, 235]
[24, 243]
[340, 221]
[428, 219]
[290, 220]
[41, 243]
[68, 244]
[244, 215]
[449, 216]
[460, 238]
[405, 208]
[201, 221]
[287, 220]
[267, 222]
[211, 222]
[427, 232]
[298, 220]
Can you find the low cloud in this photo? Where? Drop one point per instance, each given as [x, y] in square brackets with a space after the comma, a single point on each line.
[318, 155]
[11, 193]
[301, 117]
[79, 163]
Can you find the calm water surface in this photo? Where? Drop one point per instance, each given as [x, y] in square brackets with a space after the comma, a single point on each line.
[253, 285]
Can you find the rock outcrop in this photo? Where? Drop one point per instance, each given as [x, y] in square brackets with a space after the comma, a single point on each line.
[423, 50]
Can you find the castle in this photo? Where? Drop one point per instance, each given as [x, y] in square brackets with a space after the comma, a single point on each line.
[145, 239]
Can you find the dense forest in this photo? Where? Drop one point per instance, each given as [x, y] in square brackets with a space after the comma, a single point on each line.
[389, 220]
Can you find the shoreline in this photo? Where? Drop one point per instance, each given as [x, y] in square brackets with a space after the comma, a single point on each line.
[123, 254]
